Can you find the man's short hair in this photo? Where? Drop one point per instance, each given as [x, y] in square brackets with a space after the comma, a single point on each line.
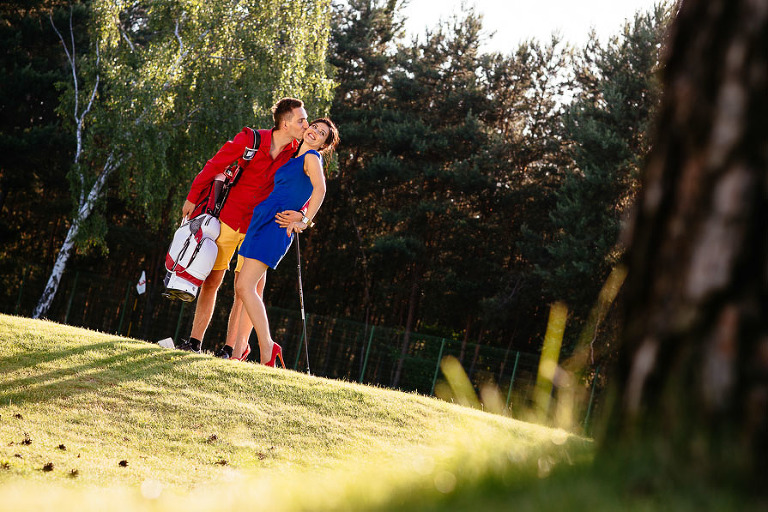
[284, 109]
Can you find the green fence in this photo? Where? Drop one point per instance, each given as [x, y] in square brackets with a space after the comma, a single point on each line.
[338, 348]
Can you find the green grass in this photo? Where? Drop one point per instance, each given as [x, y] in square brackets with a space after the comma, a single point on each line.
[198, 433]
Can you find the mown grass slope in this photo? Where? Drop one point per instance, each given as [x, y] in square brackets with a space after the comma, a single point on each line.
[90, 421]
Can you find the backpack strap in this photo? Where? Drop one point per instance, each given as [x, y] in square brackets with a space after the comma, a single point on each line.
[235, 170]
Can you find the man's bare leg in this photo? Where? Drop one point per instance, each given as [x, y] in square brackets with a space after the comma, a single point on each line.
[206, 301]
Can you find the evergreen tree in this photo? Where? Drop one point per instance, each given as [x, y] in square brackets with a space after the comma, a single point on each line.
[361, 55]
[526, 88]
[443, 148]
[36, 150]
[606, 128]
[433, 131]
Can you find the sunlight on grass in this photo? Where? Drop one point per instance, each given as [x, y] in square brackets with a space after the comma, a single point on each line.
[94, 422]
[90, 421]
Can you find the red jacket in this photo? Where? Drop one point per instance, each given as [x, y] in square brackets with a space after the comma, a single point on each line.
[254, 185]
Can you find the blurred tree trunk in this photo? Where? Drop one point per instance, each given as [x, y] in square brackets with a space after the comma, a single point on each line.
[693, 368]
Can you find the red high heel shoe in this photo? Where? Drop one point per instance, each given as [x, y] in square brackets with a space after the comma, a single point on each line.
[277, 352]
[245, 353]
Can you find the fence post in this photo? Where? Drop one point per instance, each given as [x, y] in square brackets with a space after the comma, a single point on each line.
[71, 296]
[367, 353]
[437, 368]
[512, 378]
[125, 306]
[591, 398]
[178, 322]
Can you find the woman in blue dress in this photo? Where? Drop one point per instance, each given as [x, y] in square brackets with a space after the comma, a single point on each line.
[266, 242]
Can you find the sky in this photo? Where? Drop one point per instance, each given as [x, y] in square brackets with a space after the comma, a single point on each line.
[518, 20]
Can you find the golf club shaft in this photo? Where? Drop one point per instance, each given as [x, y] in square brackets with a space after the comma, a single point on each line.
[301, 301]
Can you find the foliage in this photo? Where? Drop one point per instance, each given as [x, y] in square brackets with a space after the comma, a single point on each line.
[179, 78]
[606, 129]
[36, 150]
[158, 77]
[443, 143]
[456, 172]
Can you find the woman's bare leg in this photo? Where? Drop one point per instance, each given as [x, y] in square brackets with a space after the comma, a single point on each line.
[237, 337]
[245, 286]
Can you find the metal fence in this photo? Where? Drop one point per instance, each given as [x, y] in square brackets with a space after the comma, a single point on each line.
[338, 348]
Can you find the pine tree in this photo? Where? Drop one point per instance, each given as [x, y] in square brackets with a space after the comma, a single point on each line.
[606, 128]
[36, 150]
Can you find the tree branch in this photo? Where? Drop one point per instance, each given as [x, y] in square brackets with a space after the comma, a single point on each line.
[70, 56]
[176, 31]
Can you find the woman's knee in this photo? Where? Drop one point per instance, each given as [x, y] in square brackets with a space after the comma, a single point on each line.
[241, 288]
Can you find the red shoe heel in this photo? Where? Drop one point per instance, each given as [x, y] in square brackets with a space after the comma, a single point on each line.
[245, 353]
[277, 353]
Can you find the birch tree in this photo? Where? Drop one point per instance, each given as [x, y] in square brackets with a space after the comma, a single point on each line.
[165, 83]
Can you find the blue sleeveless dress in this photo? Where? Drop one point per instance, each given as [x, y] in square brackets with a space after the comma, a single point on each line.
[265, 240]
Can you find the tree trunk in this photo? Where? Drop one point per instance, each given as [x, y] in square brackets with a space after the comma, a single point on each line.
[4, 187]
[84, 210]
[408, 326]
[693, 364]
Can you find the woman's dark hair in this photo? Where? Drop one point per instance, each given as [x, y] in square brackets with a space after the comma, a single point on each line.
[332, 140]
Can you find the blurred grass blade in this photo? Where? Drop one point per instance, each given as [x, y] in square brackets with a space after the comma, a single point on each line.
[463, 392]
[550, 353]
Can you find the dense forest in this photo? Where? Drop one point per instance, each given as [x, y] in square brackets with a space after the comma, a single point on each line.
[471, 190]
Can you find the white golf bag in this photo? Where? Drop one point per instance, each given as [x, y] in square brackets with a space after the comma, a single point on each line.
[191, 256]
[193, 250]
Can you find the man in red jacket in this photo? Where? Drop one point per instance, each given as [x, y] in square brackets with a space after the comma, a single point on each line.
[254, 185]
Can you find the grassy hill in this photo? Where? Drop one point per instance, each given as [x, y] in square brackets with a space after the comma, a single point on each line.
[90, 421]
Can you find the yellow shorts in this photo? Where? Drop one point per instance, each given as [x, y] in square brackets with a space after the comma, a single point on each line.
[240, 261]
[228, 241]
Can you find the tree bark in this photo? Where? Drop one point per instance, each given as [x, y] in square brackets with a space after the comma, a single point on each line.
[85, 204]
[85, 209]
[693, 365]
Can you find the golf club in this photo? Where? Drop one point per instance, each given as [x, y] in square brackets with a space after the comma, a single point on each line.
[301, 301]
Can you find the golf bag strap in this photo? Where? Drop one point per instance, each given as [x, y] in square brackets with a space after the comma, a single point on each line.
[232, 174]
[241, 163]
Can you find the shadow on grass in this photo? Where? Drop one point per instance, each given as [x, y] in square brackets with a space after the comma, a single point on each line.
[39, 385]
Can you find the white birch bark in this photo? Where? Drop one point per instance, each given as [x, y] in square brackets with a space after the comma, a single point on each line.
[85, 203]
[85, 209]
